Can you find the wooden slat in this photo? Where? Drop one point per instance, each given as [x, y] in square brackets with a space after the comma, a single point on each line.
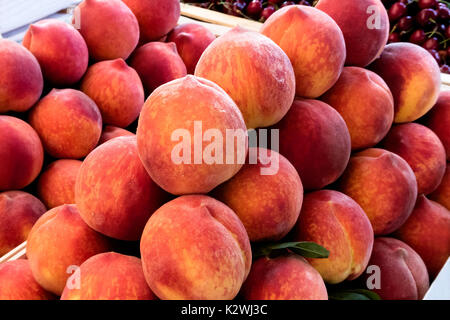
[218, 30]
[17, 253]
[445, 78]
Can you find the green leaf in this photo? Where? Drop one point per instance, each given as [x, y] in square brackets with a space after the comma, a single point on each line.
[306, 249]
[355, 294]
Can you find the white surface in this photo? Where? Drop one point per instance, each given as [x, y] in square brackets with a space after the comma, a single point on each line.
[440, 288]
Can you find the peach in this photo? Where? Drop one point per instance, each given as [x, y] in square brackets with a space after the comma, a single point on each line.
[423, 151]
[68, 123]
[195, 248]
[156, 18]
[234, 61]
[21, 154]
[365, 102]
[384, 185]
[18, 282]
[58, 241]
[110, 28]
[314, 44]
[157, 63]
[339, 224]
[18, 213]
[114, 193]
[21, 83]
[110, 276]
[191, 39]
[268, 203]
[413, 76]
[427, 231]
[60, 50]
[111, 132]
[170, 136]
[315, 139]
[365, 25]
[402, 273]
[116, 89]
[438, 120]
[442, 193]
[287, 277]
[56, 185]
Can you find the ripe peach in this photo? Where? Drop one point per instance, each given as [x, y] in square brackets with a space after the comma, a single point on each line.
[283, 278]
[384, 185]
[413, 76]
[237, 62]
[109, 28]
[60, 50]
[438, 120]
[110, 276]
[111, 132]
[365, 25]
[403, 275]
[442, 193]
[21, 82]
[18, 282]
[21, 153]
[181, 111]
[195, 247]
[315, 139]
[18, 213]
[114, 193]
[68, 123]
[191, 40]
[338, 223]
[314, 44]
[156, 18]
[423, 151]
[116, 89]
[157, 63]
[59, 240]
[56, 185]
[427, 231]
[365, 102]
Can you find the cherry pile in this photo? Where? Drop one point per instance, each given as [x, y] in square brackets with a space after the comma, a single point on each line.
[423, 22]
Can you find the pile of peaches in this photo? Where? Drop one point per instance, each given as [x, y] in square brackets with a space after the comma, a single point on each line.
[91, 118]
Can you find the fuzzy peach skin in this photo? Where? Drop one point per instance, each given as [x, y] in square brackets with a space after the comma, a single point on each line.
[315, 139]
[268, 203]
[60, 50]
[442, 193]
[116, 89]
[56, 184]
[191, 39]
[288, 277]
[114, 193]
[384, 185]
[358, 20]
[427, 231]
[170, 122]
[157, 63]
[110, 29]
[413, 76]
[237, 62]
[18, 282]
[338, 223]
[110, 276]
[195, 248]
[21, 153]
[365, 102]
[21, 82]
[403, 275]
[68, 122]
[18, 213]
[156, 18]
[58, 240]
[438, 120]
[314, 44]
[423, 151]
[111, 132]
